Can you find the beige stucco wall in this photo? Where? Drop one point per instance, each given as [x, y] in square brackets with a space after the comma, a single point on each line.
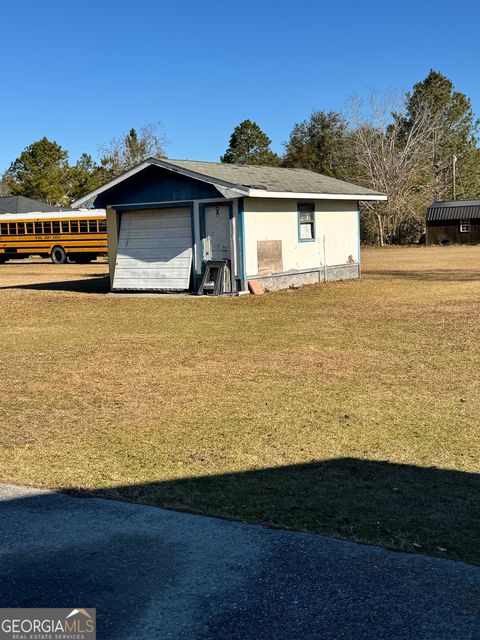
[338, 221]
[277, 219]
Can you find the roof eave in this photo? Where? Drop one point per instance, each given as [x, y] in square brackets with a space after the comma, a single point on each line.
[262, 193]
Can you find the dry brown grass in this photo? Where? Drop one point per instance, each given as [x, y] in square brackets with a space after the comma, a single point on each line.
[347, 408]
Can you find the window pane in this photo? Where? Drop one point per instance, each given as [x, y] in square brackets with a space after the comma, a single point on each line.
[38, 228]
[306, 231]
[47, 227]
[12, 228]
[306, 217]
[64, 226]
[92, 226]
[29, 227]
[56, 226]
[102, 226]
[74, 226]
[306, 208]
[20, 228]
[3, 229]
[83, 226]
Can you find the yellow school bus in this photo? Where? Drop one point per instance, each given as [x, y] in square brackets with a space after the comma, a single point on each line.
[76, 236]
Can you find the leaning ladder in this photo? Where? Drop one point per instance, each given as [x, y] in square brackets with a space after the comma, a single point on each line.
[216, 279]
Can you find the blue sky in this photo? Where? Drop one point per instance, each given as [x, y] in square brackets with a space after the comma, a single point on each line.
[83, 72]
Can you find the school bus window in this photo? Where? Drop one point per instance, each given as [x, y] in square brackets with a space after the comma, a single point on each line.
[38, 228]
[47, 227]
[64, 226]
[56, 226]
[3, 229]
[12, 228]
[21, 228]
[102, 226]
[92, 226]
[83, 226]
[74, 226]
[29, 227]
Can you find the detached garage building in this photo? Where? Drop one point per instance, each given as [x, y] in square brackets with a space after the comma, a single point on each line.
[283, 227]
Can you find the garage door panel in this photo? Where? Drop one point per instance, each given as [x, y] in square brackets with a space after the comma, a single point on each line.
[152, 264]
[137, 255]
[144, 284]
[154, 251]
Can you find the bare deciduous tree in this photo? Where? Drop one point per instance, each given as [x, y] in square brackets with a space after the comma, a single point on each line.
[119, 154]
[4, 185]
[395, 161]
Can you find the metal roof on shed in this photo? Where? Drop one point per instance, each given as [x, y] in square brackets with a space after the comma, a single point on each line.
[453, 210]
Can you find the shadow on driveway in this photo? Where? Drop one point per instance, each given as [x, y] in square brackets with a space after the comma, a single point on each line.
[165, 574]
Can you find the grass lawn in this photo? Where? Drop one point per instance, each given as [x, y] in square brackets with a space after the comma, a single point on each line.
[348, 408]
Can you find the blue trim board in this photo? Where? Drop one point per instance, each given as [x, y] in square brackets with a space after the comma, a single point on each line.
[314, 223]
[241, 234]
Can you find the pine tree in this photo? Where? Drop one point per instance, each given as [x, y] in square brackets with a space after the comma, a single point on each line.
[41, 172]
[85, 176]
[249, 145]
[455, 135]
[318, 144]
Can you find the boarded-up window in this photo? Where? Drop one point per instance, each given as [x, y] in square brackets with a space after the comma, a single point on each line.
[269, 255]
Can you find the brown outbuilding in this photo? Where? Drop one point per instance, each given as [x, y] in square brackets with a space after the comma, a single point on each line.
[453, 222]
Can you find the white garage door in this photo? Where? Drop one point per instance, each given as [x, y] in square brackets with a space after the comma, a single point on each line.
[154, 250]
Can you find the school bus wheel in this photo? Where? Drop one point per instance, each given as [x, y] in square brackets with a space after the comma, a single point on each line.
[58, 255]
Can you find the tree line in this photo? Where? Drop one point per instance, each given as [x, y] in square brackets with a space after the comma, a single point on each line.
[42, 171]
[415, 147]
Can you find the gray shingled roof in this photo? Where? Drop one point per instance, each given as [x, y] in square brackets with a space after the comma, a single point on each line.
[453, 210]
[21, 204]
[272, 178]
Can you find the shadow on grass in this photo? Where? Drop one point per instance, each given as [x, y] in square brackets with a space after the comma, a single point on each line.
[428, 510]
[96, 283]
[434, 275]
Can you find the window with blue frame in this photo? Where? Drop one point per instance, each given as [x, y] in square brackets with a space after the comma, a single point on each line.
[306, 222]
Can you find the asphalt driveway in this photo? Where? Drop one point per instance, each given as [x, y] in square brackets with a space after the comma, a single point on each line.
[153, 573]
